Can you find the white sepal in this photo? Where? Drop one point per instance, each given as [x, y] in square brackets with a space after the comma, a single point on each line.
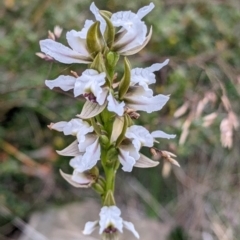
[90, 227]
[71, 150]
[138, 98]
[62, 53]
[129, 226]
[128, 155]
[64, 82]
[114, 105]
[140, 136]
[161, 134]
[145, 76]
[79, 180]
[145, 162]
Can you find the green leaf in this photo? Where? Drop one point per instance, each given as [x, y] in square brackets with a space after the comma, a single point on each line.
[124, 129]
[109, 33]
[125, 81]
[91, 109]
[95, 42]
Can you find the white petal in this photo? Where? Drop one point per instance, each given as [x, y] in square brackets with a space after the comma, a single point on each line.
[72, 150]
[62, 53]
[129, 147]
[114, 105]
[126, 160]
[157, 66]
[85, 142]
[76, 162]
[110, 216]
[161, 134]
[136, 49]
[83, 33]
[84, 183]
[64, 82]
[133, 36]
[59, 126]
[145, 76]
[90, 157]
[77, 126]
[90, 227]
[98, 17]
[130, 227]
[136, 99]
[81, 178]
[142, 12]
[140, 136]
[77, 43]
[145, 162]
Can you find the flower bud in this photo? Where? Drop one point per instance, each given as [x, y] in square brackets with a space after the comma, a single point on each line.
[104, 141]
[125, 81]
[112, 59]
[98, 188]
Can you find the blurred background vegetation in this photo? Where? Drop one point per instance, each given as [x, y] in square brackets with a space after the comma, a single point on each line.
[201, 38]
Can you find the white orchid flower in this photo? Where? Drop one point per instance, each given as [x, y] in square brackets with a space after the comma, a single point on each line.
[131, 37]
[86, 150]
[76, 127]
[129, 155]
[144, 76]
[110, 222]
[140, 136]
[86, 160]
[78, 52]
[138, 99]
[90, 83]
[139, 96]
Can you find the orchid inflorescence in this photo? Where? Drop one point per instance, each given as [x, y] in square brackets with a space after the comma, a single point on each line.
[104, 130]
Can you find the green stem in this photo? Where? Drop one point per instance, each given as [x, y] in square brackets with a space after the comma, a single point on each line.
[110, 174]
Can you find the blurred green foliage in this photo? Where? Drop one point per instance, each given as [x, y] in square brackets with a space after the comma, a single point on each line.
[201, 39]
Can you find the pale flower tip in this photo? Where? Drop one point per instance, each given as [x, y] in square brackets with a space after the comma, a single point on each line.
[174, 162]
[50, 126]
[44, 56]
[57, 31]
[51, 35]
[41, 55]
[90, 227]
